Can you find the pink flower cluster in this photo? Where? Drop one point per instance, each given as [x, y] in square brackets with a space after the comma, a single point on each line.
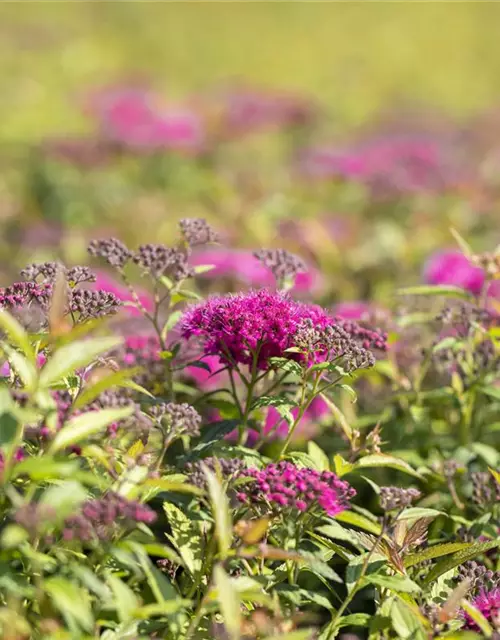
[98, 518]
[283, 484]
[455, 269]
[248, 110]
[488, 603]
[234, 327]
[130, 117]
[246, 268]
[393, 163]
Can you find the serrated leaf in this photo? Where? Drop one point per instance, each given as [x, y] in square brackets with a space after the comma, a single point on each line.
[285, 364]
[396, 584]
[339, 417]
[483, 624]
[229, 603]
[436, 290]
[71, 601]
[186, 537]
[459, 558]
[87, 424]
[125, 600]
[221, 512]
[415, 513]
[24, 368]
[115, 379]
[71, 357]
[406, 621]
[319, 456]
[383, 460]
[17, 335]
[357, 520]
[211, 435]
[342, 467]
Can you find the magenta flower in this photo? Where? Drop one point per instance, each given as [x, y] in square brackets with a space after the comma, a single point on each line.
[132, 117]
[488, 603]
[207, 380]
[394, 163]
[235, 327]
[356, 310]
[245, 267]
[284, 485]
[249, 110]
[454, 268]
[105, 283]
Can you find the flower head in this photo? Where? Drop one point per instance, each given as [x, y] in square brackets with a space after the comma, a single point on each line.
[283, 484]
[454, 268]
[99, 518]
[235, 327]
[264, 324]
[488, 603]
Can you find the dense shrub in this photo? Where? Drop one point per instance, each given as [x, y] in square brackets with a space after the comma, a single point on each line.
[246, 465]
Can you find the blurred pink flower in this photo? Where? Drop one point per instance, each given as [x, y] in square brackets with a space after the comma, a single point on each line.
[244, 267]
[106, 283]
[206, 380]
[355, 310]
[454, 268]
[131, 117]
[391, 163]
[247, 110]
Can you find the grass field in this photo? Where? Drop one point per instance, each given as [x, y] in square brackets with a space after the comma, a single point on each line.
[355, 57]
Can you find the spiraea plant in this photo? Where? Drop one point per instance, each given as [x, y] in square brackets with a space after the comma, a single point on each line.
[247, 465]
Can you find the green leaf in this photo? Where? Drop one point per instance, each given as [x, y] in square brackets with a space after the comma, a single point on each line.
[459, 558]
[357, 520]
[210, 436]
[74, 356]
[285, 364]
[186, 537]
[339, 417]
[396, 583]
[415, 513]
[436, 551]
[115, 379]
[72, 602]
[64, 498]
[342, 467]
[436, 290]
[17, 335]
[125, 600]
[24, 368]
[45, 468]
[12, 536]
[406, 621]
[301, 634]
[273, 401]
[203, 268]
[478, 618]
[87, 424]
[229, 602]
[319, 456]
[383, 460]
[221, 512]
[8, 429]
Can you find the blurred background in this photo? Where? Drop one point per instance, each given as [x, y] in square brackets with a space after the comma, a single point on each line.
[354, 134]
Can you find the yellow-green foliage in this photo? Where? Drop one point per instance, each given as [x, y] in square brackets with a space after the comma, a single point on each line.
[356, 57]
